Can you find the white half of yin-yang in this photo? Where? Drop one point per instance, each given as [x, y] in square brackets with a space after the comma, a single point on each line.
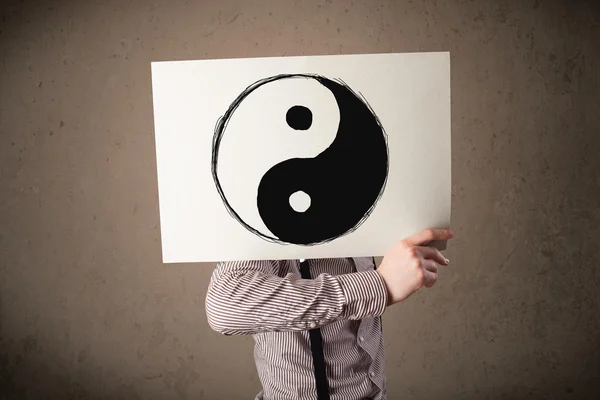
[257, 137]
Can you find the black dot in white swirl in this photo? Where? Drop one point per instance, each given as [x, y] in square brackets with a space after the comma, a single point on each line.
[300, 159]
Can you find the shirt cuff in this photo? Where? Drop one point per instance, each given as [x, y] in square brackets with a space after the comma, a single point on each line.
[365, 294]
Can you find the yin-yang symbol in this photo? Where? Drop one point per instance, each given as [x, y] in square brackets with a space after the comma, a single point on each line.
[300, 159]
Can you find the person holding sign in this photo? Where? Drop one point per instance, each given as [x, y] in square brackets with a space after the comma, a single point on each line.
[276, 158]
[317, 323]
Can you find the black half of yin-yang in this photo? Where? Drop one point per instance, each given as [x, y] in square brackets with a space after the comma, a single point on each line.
[344, 181]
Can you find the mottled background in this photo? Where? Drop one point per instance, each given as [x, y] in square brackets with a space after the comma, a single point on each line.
[87, 309]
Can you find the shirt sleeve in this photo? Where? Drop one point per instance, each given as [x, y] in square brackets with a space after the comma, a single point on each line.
[248, 297]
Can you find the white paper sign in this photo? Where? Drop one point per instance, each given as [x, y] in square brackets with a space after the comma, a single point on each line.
[300, 157]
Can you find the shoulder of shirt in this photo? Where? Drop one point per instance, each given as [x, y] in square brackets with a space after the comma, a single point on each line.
[361, 263]
[248, 263]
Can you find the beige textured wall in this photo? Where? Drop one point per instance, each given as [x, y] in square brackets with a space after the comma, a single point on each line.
[87, 310]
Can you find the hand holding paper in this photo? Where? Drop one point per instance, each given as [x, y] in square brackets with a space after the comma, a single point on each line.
[410, 264]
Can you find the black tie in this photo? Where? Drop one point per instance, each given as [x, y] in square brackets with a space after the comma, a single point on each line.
[316, 347]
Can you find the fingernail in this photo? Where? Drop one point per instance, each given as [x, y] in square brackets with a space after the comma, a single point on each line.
[451, 232]
[447, 261]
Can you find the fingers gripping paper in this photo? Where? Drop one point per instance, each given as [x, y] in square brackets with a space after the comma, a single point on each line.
[300, 157]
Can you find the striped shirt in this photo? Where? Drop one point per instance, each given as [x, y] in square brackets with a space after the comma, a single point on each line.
[270, 300]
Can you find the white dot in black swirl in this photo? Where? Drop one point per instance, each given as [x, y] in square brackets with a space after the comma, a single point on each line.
[315, 160]
[300, 201]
